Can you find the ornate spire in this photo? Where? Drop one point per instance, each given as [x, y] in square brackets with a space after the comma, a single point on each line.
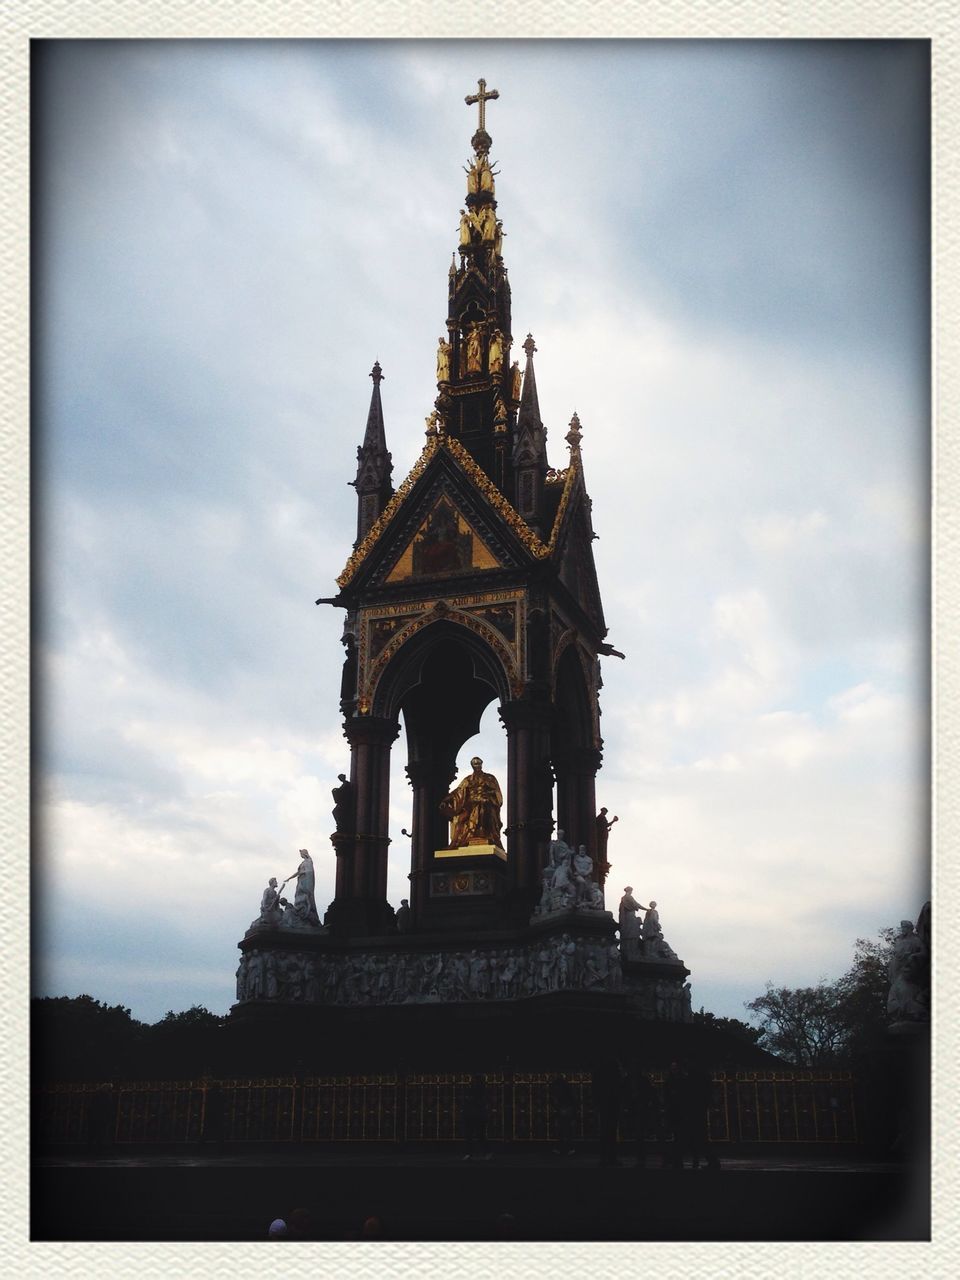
[475, 383]
[530, 449]
[574, 436]
[374, 465]
[481, 139]
[529, 418]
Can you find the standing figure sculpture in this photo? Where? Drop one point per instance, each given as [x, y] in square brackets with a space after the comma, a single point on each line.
[474, 809]
[495, 355]
[467, 225]
[343, 804]
[487, 223]
[515, 380]
[485, 174]
[651, 923]
[304, 903]
[473, 349]
[443, 361]
[629, 924]
[603, 834]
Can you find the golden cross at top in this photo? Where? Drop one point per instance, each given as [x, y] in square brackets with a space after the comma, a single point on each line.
[482, 97]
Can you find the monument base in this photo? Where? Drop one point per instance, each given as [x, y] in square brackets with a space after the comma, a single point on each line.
[471, 850]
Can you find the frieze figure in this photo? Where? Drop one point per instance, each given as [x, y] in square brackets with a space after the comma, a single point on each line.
[473, 808]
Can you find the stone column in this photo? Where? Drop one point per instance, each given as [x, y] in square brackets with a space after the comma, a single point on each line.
[361, 907]
[577, 795]
[430, 780]
[529, 797]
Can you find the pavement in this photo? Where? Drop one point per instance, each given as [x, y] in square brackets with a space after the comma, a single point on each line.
[325, 1157]
[520, 1194]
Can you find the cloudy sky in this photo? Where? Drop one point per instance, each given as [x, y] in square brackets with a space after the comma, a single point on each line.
[721, 250]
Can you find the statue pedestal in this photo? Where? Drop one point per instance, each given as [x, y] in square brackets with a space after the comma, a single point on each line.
[465, 889]
[471, 851]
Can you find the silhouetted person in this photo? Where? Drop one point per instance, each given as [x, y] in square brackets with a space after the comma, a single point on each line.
[674, 1091]
[688, 1097]
[103, 1117]
[641, 1109]
[403, 916]
[300, 1225]
[563, 1109]
[213, 1116]
[698, 1090]
[607, 1082]
[506, 1227]
[475, 1119]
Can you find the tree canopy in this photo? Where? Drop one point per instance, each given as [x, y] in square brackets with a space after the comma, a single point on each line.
[833, 1023]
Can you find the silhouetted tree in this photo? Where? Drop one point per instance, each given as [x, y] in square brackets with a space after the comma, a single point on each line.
[187, 1043]
[80, 1038]
[834, 1023]
[743, 1030]
[801, 1025]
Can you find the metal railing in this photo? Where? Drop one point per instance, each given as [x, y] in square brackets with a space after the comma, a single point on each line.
[748, 1107]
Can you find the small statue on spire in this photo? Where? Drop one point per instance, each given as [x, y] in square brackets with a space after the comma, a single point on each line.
[495, 355]
[443, 361]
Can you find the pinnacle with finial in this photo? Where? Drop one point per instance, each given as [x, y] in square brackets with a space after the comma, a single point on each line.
[481, 97]
[377, 374]
[529, 345]
[574, 435]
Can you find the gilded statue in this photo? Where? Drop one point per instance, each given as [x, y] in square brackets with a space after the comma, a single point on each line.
[472, 179]
[473, 349]
[473, 808]
[515, 381]
[487, 222]
[466, 228]
[443, 360]
[496, 351]
[498, 239]
[486, 174]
